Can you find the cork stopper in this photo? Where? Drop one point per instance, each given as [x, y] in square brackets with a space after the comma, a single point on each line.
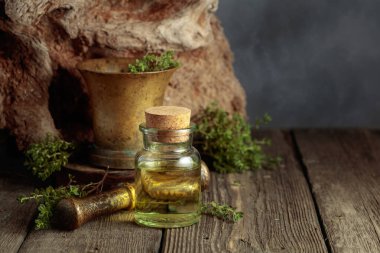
[168, 118]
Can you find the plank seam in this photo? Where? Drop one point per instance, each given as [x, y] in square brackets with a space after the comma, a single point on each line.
[163, 238]
[298, 155]
[30, 228]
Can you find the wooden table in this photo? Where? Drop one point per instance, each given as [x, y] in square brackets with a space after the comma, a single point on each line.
[324, 198]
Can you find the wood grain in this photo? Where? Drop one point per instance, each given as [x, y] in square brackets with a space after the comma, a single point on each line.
[14, 217]
[115, 233]
[279, 214]
[344, 171]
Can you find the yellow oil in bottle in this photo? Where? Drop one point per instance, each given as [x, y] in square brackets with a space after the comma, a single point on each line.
[167, 196]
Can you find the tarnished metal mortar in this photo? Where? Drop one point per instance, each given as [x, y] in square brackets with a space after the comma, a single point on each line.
[118, 100]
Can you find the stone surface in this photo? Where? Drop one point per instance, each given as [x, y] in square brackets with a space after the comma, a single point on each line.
[42, 41]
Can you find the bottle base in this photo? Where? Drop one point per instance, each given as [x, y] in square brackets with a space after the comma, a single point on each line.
[157, 220]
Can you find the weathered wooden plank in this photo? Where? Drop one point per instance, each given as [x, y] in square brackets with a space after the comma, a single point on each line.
[14, 217]
[116, 233]
[279, 214]
[344, 170]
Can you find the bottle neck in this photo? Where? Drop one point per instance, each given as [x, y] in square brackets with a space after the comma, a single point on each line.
[178, 144]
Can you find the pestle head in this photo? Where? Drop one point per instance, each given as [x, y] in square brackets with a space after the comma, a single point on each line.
[71, 213]
[66, 215]
[168, 118]
[205, 176]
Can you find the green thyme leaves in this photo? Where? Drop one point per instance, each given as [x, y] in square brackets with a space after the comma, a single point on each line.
[227, 140]
[47, 199]
[152, 62]
[48, 156]
[221, 211]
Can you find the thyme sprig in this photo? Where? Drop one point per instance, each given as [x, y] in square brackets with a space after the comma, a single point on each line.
[227, 140]
[48, 198]
[152, 62]
[221, 211]
[48, 156]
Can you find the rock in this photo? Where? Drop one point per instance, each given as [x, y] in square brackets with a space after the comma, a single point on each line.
[42, 92]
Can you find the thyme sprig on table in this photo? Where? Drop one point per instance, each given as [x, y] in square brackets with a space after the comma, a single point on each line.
[48, 156]
[227, 140]
[222, 211]
[152, 62]
[48, 198]
[43, 159]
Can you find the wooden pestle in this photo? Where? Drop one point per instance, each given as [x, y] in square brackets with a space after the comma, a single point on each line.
[71, 213]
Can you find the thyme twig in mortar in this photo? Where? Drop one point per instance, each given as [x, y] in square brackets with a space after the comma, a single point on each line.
[227, 140]
[152, 62]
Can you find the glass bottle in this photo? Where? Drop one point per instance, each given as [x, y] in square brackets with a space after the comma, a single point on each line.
[168, 179]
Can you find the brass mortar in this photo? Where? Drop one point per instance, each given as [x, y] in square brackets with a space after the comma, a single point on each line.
[118, 100]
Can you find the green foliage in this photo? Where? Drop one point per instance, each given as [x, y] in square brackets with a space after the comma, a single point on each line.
[151, 62]
[48, 156]
[47, 199]
[227, 140]
[221, 211]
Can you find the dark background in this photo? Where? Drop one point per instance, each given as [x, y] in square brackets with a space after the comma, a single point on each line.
[308, 63]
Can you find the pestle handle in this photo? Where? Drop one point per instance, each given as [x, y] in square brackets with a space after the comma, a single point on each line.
[73, 212]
